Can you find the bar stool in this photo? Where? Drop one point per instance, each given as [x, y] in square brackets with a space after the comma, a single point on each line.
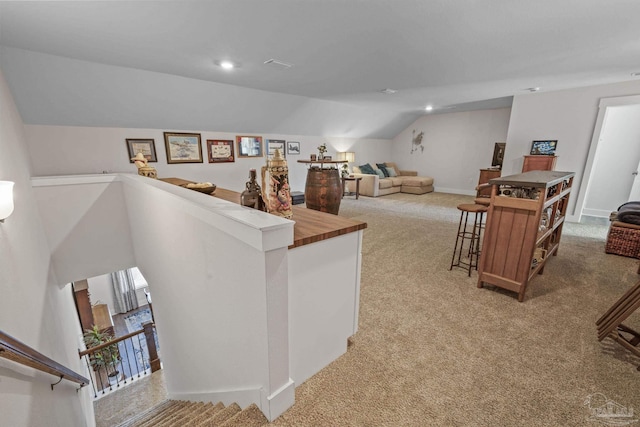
[471, 236]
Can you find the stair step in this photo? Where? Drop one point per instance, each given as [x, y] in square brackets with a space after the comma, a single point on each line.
[221, 416]
[160, 415]
[207, 413]
[180, 417]
[148, 414]
[250, 416]
[176, 413]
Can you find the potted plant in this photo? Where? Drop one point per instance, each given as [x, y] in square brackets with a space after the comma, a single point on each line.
[107, 357]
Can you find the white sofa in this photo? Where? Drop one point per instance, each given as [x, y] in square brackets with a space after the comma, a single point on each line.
[406, 182]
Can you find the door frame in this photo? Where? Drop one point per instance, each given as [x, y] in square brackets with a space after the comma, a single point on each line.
[595, 139]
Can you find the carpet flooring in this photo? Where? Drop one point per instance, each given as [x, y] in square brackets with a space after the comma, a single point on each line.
[434, 350]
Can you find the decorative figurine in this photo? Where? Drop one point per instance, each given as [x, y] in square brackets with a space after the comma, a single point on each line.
[252, 196]
[275, 189]
[144, 169]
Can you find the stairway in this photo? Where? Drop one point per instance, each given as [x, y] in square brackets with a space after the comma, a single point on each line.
[174, 413]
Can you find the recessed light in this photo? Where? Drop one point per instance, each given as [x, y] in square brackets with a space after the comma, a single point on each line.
[388, 91]
[533, 89]
[636, 74]
[227, 65]
[429, 108]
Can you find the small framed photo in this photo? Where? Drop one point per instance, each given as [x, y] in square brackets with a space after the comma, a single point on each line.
[326, 158]
[273, 144]
[145, 146]
[249, 146]
[293, 147]
[545, 148]
[313, 157]
[183, 147]
[220, 150]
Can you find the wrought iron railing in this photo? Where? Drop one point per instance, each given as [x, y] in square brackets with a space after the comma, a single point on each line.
[122, 360]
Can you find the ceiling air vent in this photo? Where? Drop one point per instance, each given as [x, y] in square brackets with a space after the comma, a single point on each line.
[277, 64]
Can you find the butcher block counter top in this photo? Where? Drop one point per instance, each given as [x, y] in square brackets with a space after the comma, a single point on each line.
[310, 225]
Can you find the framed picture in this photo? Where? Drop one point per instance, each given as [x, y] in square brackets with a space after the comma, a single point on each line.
[145, 146]
[293, 147]
[183, 147]
[249, 146]
[220, 150]
[545, 148]
[273, 144]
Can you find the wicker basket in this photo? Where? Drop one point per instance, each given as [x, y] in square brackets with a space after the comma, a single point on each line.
[623, 241]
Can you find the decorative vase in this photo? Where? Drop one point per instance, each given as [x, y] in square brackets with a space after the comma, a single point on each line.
[276, 192]
[252, 196]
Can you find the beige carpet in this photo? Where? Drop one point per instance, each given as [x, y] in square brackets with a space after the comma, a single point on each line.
[434, 350]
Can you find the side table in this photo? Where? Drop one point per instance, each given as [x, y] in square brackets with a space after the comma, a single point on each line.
[351, 178]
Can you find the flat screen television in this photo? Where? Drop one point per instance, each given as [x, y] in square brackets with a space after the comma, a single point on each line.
[545, 148]
[498, 154]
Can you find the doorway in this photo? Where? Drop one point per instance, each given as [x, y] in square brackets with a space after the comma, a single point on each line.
[613, 160]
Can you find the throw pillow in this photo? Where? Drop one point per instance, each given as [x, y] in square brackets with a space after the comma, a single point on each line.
[383, 168]
[391, 171]
[380, 173]
[367, 169]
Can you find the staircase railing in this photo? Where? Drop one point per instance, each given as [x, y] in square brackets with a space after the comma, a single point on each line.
[12, 349]
[122, 359]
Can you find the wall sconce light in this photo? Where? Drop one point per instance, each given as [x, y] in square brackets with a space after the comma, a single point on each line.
[6, 199]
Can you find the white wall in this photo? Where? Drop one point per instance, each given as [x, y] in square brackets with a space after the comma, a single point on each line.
[53, 90]
[456, 147]
[617, 156]
[87, 227]
[568, 116]
[64, 150]
[35, 307]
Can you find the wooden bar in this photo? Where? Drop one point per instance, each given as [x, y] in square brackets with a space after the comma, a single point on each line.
[310, 225]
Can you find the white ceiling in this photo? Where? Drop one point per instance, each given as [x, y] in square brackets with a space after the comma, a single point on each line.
[454, 55]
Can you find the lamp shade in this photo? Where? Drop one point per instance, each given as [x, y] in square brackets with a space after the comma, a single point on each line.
[348, 156]
[6, 199]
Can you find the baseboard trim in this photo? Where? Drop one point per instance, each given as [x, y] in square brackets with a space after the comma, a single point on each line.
[279, 401]
[455, 191]
[601, 213]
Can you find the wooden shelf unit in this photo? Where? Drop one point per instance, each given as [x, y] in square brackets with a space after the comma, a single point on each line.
[485, 176]
[514, 230]
[538, 162]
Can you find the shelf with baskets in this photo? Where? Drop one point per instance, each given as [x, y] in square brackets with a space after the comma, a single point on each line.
[524, 227]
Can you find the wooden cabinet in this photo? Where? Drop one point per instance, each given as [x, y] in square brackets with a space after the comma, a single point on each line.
[524, 226]
[539, 163]
[485, 176]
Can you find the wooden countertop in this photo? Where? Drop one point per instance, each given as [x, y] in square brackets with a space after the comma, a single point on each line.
[538, 179]
[310, 225]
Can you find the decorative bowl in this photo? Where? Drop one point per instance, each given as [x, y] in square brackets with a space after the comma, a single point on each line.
[206, 190]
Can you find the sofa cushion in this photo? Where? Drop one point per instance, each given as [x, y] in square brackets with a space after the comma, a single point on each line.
[391, 171]
[367, 169]
[396, 180]
[383, 168]
[417, 181]
[385, 183]
[380, 173]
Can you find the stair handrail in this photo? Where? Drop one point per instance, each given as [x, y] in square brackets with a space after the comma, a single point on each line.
[111, 342]
[12, 349]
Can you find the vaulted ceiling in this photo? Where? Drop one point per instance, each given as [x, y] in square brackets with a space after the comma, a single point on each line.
[452, 55]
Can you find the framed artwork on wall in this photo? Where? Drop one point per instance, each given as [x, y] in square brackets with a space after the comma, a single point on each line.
[293, 147]
[545, 148]
[220, 150]
[273, 144]
[249, 146]
[183, 147]
[145, 146]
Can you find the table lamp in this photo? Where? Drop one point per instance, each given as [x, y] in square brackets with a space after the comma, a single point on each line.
[349, 157]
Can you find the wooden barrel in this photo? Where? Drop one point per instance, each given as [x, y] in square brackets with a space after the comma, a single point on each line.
[323, 190]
